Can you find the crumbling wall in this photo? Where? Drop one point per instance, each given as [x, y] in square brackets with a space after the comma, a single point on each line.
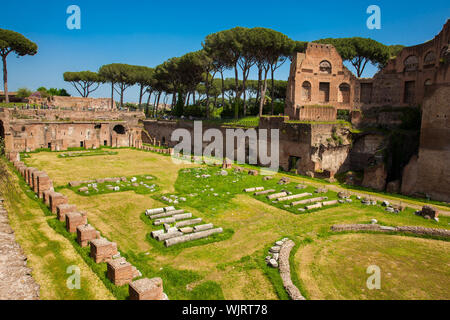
[433, 172]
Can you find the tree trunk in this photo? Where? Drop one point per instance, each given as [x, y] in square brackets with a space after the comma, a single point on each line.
[5, 79]
[236, 81]
[156, 107]
[272, 91]
[207, 95]
[174, 99]
[140, 95]
[112, 95]
[149, 96]
[121, 94]
[259, 83]
[223, 89]
[263, 93]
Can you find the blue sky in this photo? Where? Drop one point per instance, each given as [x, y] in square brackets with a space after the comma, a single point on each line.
[149, 32]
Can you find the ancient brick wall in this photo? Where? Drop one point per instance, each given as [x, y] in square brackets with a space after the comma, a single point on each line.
[433, 172]
[404, 80]
[302, 146]
[76, 103]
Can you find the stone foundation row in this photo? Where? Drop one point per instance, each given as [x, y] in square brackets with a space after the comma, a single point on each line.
[120, 272]
[378, 228]
[279, 258]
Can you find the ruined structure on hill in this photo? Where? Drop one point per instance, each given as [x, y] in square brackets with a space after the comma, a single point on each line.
[318, 78]
[74, 103]
[28, 130]
[319, 84]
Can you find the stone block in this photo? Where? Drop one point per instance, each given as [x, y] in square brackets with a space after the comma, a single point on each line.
[56, 199]
[34, 176]
[85, 234]
[102, 250]
[28, 176]
[46, 197]
[75, 219]
[63, 209]
[120, 271]
[44, 183]
[146, 289]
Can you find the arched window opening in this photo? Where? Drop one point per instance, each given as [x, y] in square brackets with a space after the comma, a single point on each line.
[306, 91]
[119, 129]
[430, 58]
[411, 63]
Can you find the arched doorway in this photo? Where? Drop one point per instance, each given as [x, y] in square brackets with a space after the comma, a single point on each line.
[344, 93]
[306, 91]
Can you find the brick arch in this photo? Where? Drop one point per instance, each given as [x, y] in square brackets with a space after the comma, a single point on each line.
[119, 129]
[411, 63]
[430, 58]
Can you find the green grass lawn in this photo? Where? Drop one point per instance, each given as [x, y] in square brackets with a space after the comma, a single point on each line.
[231, 267]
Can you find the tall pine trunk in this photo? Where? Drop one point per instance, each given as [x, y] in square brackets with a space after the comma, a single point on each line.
[5, 79]
[140, 95]
[272, 91]
[263, 93]
[223, 89]
[112, 95]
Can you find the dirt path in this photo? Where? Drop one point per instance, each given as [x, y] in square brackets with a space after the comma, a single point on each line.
[16, 282]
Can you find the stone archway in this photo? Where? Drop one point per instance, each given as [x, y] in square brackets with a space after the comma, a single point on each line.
[119, 129]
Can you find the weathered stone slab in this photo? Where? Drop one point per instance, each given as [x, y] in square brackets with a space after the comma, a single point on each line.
[154, 211]
[306, 201]
[165, 236]
[277, 195]
[188, 222]
[192, 236]
[329, 203]
[295, 196]
[203, 227]
[166, 214]
[314, 206]
[260, 193]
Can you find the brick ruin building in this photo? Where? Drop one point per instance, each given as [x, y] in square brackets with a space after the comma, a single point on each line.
[318, 78]
[318, 85]
[28, 130]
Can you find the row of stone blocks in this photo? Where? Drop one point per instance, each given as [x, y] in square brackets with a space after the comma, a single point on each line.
[120, 272]
[169, 151]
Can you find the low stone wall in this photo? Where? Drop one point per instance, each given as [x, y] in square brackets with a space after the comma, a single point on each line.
[285, 271]
[378, 228]
[16, 282]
